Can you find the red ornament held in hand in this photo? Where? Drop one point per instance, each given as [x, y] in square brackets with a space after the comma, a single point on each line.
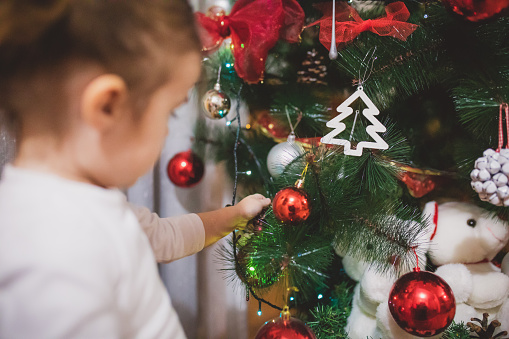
[185, 169]
[291, 205]
[422, 303]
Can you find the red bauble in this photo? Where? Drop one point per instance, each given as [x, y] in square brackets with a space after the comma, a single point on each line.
[185, 169]
[291, 205]
[418, 184]
[272, 127]
[422, 303]
[280, 328]
[477, 10]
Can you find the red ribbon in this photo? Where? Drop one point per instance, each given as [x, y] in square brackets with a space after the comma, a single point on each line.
[503, 108]
[349, 24]
[254, 27]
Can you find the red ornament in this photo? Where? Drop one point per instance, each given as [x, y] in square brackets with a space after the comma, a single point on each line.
[422, 303]
[291, 205]
[272, 127]
[418, 184]
[281, 328]
[185, 169]
[477, 10]
[254, 27]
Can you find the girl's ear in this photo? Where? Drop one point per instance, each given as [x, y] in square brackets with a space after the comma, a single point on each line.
[104, 101]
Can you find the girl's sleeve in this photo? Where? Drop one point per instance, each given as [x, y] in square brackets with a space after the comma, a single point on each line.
[171, 238]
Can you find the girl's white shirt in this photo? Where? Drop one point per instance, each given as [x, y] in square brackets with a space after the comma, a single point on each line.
[75, 263]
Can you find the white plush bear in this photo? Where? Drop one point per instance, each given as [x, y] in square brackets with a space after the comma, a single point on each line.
[461, 240]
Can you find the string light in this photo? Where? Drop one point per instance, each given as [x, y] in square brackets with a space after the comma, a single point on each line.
[292, 298]
[320, 296]
[228, 123]
[259, 308]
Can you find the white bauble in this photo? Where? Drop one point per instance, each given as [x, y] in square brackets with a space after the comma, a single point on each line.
[283, 154]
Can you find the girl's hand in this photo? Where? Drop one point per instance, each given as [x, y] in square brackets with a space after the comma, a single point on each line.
[250, 207]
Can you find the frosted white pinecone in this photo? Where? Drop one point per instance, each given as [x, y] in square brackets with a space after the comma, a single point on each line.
[490, 177]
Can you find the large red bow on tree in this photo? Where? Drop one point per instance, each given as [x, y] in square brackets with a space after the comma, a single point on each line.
[349, 24]
[254, 27]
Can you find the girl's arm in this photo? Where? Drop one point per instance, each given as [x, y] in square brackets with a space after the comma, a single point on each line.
[221, 222]
[175, 237]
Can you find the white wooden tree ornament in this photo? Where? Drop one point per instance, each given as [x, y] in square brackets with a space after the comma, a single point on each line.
[369, 112]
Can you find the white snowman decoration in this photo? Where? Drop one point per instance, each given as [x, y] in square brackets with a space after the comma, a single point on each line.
[461, 240]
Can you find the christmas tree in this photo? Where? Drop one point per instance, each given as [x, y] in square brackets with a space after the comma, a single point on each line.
[421, 88]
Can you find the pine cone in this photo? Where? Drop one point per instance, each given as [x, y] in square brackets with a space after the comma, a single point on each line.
[486, 331]
[313, 70]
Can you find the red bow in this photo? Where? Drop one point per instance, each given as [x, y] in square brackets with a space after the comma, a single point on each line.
[254, 27]
[393, 24]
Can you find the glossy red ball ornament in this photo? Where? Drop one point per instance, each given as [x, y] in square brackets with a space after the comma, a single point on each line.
[477, 10]
[291, 205]
[185, 169]
[281, 328]
[422, 303]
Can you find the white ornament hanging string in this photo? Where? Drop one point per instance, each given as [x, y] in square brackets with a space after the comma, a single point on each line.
[368, 67]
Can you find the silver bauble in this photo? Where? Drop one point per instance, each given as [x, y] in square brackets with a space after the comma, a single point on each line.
[216, 103]
[283, 154]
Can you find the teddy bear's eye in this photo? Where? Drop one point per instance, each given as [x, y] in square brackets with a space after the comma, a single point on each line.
[471, 222]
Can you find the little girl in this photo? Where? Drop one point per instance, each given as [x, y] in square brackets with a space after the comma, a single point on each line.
[88, 86]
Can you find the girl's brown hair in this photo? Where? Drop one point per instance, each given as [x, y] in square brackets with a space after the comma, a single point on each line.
[135, 39]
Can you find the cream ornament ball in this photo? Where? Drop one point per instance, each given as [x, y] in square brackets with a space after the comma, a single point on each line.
[490, 177]
[282, 154]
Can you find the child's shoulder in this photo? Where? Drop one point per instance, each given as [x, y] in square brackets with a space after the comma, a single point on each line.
[48, 217]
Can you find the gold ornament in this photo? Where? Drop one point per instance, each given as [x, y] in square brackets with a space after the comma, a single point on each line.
[216, 103]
